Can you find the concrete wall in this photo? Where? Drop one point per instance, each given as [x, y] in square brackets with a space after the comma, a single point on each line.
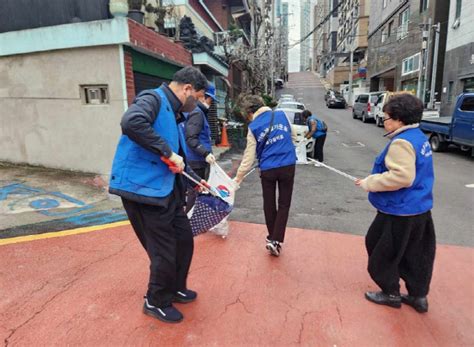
[464, 34]
[42, 118]
[459, 62]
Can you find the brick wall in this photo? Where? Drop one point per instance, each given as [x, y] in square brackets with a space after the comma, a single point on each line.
[204, 15]
[141, 36]
[220, 11]
[130, 83]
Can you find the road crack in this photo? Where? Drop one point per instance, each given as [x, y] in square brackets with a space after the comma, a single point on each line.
[63, 289]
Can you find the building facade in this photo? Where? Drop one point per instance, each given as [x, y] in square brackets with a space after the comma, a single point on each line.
[305, 28]
[68, 75]
[320, 41]
[459, 62]
[401, 45]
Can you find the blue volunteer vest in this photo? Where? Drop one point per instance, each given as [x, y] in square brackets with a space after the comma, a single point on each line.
[204, 138]
[319, 127]
[140, 171]
[413, 200]
[278, 150]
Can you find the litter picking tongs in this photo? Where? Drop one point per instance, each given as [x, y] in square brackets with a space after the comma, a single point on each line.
[206, 186]
[318, 163]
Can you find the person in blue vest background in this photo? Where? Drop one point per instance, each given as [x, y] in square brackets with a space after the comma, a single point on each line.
[318, 131]
[145, 174]
[401, 241]
[198, 140]
[270, 139]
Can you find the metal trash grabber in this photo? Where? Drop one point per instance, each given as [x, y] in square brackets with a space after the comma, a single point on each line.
[207, 188]
[318, 163]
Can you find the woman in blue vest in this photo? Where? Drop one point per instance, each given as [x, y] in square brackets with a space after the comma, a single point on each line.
[198, 140]
[270, 139]
[401, 240]
[316, 130]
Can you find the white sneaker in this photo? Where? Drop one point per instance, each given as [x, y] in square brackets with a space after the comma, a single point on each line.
[274, 248]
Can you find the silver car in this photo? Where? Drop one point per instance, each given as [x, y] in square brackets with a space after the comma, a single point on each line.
[364, 106]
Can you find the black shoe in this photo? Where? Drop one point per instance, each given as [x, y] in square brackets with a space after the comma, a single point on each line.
[167, 314]
[419, 303]
[384, 299]
[185, 296]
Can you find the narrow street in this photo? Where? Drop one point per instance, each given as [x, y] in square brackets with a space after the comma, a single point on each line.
[324, 200]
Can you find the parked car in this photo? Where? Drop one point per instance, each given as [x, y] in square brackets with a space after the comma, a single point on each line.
[296, 119]
[279, 83]
[291, 105]
[457, 129]
[381, 101]
[282, 100]
[287, 96]
[364, 106]
[335, 99]
[328, 94]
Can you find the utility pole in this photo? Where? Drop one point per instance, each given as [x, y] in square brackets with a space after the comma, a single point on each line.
[427, 60]
[435, 66]
[272, 62]
[425, 35]
[351, 62]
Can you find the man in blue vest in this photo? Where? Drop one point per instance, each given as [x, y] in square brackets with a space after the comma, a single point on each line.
[198, 140]
[145, 174]
[270, 139]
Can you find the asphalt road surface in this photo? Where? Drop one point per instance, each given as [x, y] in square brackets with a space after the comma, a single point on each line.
[327, 201]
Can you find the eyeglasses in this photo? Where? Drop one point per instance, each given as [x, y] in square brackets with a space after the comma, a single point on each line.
[386, 119]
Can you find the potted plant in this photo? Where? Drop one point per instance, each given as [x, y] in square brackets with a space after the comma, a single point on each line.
[135, 10]
[118, 8]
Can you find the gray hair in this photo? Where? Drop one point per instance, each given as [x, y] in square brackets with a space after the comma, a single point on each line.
[251, 103]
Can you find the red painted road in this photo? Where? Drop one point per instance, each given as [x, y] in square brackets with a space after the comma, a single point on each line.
[87, 290]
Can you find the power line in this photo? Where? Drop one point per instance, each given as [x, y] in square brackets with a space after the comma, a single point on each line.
[320, 24]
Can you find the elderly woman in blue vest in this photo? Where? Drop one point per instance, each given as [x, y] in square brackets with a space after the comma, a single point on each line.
[198, 140]
[149, 155]
[401, 240]
[316, 130]
[270, 140]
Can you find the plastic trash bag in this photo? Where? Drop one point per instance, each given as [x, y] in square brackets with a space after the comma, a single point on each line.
[300, 149]
[226, 188]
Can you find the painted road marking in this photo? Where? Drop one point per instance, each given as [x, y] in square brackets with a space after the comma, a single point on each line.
[470, 185]
[356, 144]
[50, 235]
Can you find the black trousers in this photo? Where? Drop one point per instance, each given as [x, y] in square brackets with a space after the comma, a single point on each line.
[276, 218]
[401, 247]
[191, 194]
[318, 148]
[166, 235]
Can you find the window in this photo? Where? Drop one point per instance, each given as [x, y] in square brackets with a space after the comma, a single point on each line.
[424, 5]
[450, 91]
[411, 64]
[364, 98]
[94, 94]
[468, 104]
[403, 28]
[384, 4]
[384, 35]
[458, 9]
[390, 29]
[468, 85]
